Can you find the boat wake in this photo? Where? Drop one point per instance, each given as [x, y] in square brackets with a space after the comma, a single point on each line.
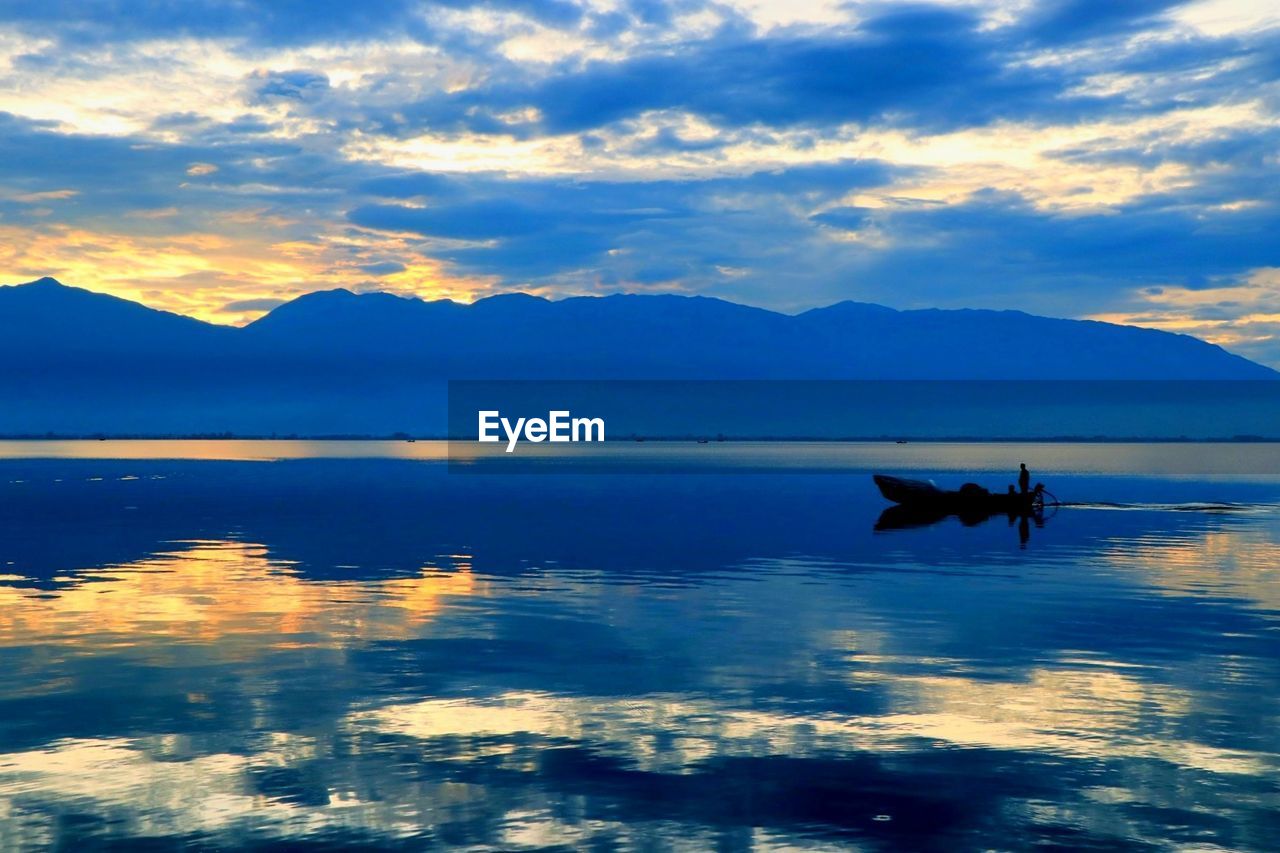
[1199, 506]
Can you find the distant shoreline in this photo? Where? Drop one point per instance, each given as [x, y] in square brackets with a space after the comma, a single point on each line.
[633, 439]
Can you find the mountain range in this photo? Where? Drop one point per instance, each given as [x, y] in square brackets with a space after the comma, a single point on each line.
[336, 361]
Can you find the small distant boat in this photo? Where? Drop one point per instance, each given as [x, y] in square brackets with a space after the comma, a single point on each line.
[702, 441]
[969, 499]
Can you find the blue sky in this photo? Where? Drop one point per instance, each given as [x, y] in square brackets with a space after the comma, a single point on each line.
[1081, 159]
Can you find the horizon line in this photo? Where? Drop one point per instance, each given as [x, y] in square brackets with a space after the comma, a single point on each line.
[637, 438]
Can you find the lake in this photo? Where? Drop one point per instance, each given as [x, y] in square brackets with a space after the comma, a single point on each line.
[674, 646]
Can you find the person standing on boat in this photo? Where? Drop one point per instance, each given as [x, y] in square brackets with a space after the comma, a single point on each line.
[1024, 478]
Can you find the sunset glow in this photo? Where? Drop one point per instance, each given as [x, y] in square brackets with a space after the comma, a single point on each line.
[784, 155]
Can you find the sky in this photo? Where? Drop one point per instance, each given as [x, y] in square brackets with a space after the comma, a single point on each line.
[1074, 158]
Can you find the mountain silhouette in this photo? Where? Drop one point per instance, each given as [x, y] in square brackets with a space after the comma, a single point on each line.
[667, 336]
[45, 319]
[336, 361]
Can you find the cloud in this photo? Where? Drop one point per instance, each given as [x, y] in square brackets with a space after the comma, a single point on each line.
[409, 185]
[997, 249]
[110, 175]
[477, 220]
[116, 175]
[528, 230]
[927, 68]
[241, 306]
[846, 218]
[383, 268]
[297, 85]
[262, 22]
[1062, 157]
[269, 21]
[1062, 21]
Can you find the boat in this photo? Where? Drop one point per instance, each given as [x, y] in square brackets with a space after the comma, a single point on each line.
[969, 499]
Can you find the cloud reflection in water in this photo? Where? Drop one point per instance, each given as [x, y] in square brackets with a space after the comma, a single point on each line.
[829, 687]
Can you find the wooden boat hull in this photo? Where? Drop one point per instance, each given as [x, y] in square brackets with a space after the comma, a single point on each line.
[969, 499]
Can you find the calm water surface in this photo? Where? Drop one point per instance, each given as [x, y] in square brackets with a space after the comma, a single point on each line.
[288, 644]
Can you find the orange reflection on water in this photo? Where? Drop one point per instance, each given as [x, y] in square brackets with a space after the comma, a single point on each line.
[224, 449]
[229, 594]
[1210, 461]
[1242, 562]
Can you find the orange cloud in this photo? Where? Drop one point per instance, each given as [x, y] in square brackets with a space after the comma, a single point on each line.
[1242, 314]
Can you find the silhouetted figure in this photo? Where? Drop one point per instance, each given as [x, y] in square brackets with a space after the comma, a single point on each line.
[1024, 478]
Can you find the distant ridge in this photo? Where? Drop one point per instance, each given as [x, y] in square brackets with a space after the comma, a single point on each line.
[339, 362]
[622, 335]
[46, 318]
